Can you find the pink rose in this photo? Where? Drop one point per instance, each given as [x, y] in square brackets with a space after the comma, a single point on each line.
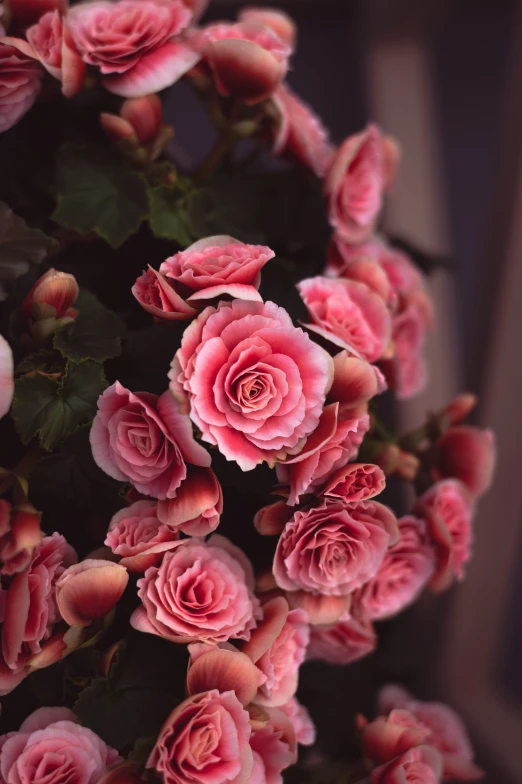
[248, 60]
[355, 482]
[333, 443]
[445, 730]
[274, 748]
[144, 439]
[448, 511]
[389, 736]
[19, 535]
[20, 83]
[348, 314]
[422, 764]
[201, 591]
[278, 647]
[300, 132]
[466, 453]
[6, 376]
[131, 42]
[51, 748]
[204, 740]
[31, 610]
[281, 24]
[407, 567]
[302, 723]
[158, 297]
[343, 642]
[255, 384]
[217, 266]
[335, 548]
[361, 170]
[136, 535]
[53, 47]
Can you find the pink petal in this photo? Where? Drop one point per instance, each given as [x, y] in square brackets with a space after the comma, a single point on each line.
[89, 590]
[275, 613]
[6, 376]
[234, 290]
[226, 671]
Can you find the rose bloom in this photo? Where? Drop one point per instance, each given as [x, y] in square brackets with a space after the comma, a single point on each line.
[19, 535]
[407, 567]
[388, 736]
[361, 170]
[335, 548]
[30, 598]
[445, 730]
[137, 536]
[344, 642]
[333, 443]
[355, 482]
[301, 720]
[20, 83]
[448, 511]
[468, 454]
[274, 748]
[300, 132]
[158, 297]
[201, 591]
[348, 314]
[144, 439]
[131, 43]
[205, 740]
[247, 59]
[255, 384]
[51, 748]
[6, 376]
[420, 765]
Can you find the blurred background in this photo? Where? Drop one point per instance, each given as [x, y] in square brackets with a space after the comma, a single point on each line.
[444, 77]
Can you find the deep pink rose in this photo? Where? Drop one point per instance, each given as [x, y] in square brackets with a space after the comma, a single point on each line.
[355, 482]
[53, 47]
[31, 610]
[445, 730]
[281, 24]
[274, 748]
[389, 736]
[348, 314]
[6, 376]
[420, 765]
[201, 591]
[300, 132]
[343, 642]
[136, 535]
[407, 567]
[217, 266]
[205, 740]
[144, 439]
[301, 720]
[52, 748]
[131, 42]
[361, 170]
[466, 453]
[335, 548]
[19, 535]
[20, 82]
[248, 60]
[333, 443]
[448, 510]
[255, 384]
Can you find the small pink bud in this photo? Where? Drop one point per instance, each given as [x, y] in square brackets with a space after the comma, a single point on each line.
[460, 407]
[89, 590]
[271, 519]
[279, 22]
[408, 466]
[144, 116]
[466, 453]
[118, 129]
[52, 296]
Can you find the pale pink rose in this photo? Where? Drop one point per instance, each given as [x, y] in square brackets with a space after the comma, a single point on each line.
[469, 454]
[144, 439]
[205, 740]
[139, 539]
[445, 730]
[197, 507]
[282, 24]
[201, 591]
[89, 590]
[344, 642]
[302, 723]
[448, 510]
[248, 60]
[19, 535]
[31, 610]
[27, 12]
[52, 748]
[335, 548]
[361, 170]
[20, 82]
[278, 648]
[274, 747]
[389, 736]
[334, 442]
[420, 765]
[255, 384]
[355, 381]
[300, 132]
[216, 267]
[406, 569]
[54, 48]
[355, 482]
[133, 43]
[348, 314]
[6, 376]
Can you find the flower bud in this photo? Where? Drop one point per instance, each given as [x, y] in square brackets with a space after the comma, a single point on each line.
[387, 458]
[279, 22]
[89, 590]
[355, 381]
[52, 296]
[460, 407]
[138, 130]
[408, 466]
[144, 115]
[466, 453]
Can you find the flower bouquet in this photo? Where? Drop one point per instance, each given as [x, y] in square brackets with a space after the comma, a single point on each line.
[198, 458]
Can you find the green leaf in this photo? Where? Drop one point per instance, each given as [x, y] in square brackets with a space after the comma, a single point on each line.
[168, 215]
[20, 247]
[50, 408]
[95, 333]
[46, 361]
[98, 192]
